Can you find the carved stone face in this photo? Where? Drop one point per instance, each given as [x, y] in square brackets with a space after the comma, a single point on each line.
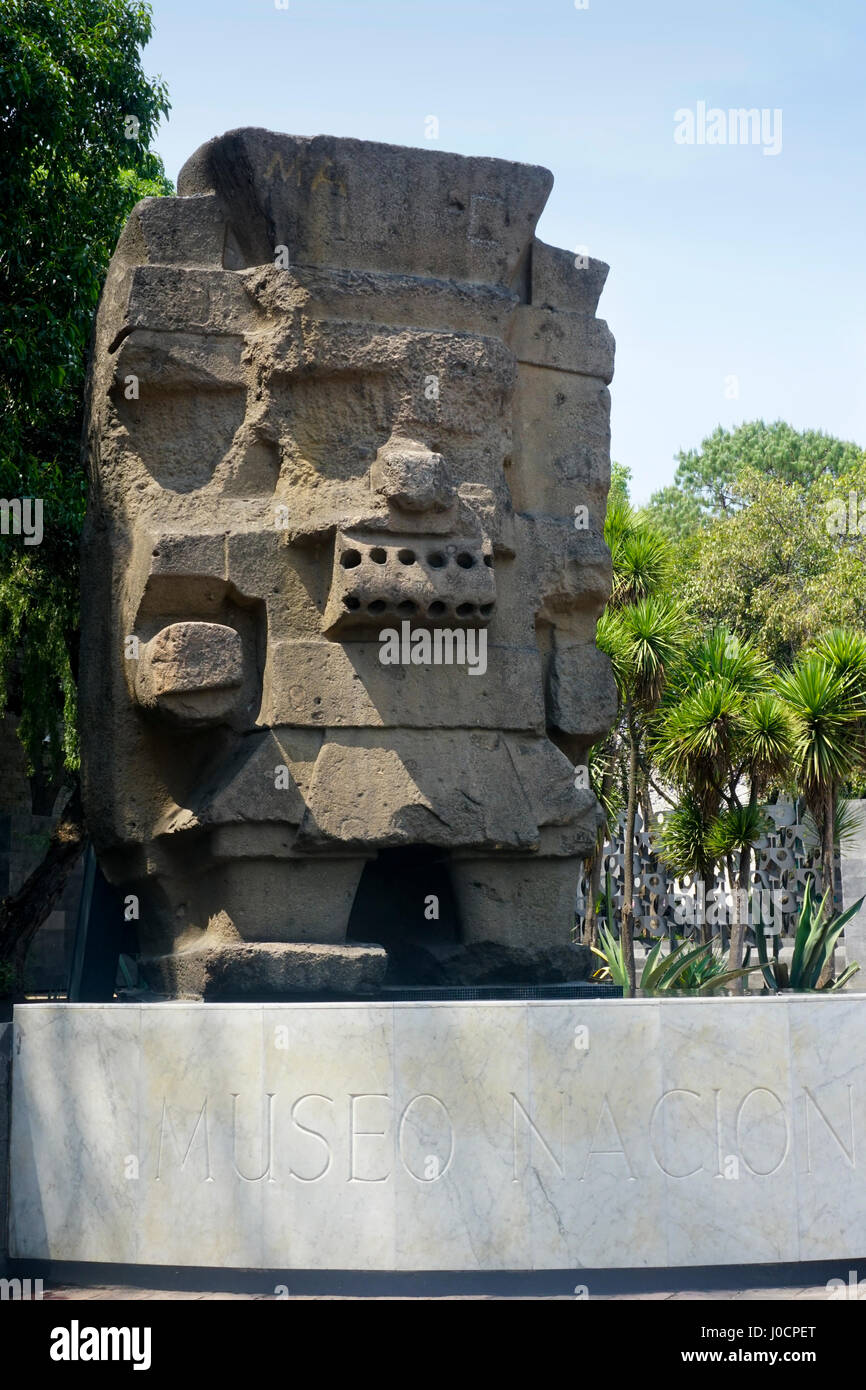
[399, 464]
[289, 461]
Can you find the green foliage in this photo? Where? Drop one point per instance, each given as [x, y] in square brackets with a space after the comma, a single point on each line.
[767, 738]
[620, 482]
[715, 722]
[681, 839]
[71, 89]
[694, 746]
[827, 709]
[642, 640]
[708, 481]
[674, 513]
[600, 760]
[696, 969]
[640, 555]
[718, 724]
[773, 570]
[719, 656]
[760, 546]
[734, 829]
[814, 942]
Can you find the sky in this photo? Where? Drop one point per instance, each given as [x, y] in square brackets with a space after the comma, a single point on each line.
[737, 280]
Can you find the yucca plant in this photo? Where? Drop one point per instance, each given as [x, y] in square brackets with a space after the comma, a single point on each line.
[642, 639]
[829, 710]
[640, 554]
[814, 943]
[719, 726]
[681, 839]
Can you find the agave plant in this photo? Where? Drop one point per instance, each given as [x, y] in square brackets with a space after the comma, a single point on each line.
[813, 947]
[699, 969]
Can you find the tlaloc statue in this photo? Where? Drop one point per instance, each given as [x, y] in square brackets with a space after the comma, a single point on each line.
[349, 455]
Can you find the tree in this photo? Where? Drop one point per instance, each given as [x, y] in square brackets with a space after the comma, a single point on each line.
[642, 631]
[716, 728]
[706, 485]
[620, 482]
[774, 571]
[826, 692]
[77, 115]
[766, 740]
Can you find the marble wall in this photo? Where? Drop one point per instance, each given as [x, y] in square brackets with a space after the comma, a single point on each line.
[854, 887]
[5, 1070]
[441, 1136]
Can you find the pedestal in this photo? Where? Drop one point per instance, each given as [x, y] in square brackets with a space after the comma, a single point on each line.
[441, 1136]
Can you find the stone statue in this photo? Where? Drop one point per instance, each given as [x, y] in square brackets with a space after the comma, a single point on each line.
[349, 458]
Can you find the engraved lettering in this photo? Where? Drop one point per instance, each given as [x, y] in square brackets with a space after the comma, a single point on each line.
[606, 1111]
[354, 1134]
[305, 1129]
[432, 1171]
[809, 1099]
[756, 1091]
[535, 1133]
[677, 1091]
[266, 1171]
[166, 1122]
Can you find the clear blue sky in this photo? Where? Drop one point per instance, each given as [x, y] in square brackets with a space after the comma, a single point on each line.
[724, 261]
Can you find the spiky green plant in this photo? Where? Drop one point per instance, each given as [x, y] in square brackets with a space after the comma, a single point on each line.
[642, 639]
[814, 944]
[697, 969]
[828, 711]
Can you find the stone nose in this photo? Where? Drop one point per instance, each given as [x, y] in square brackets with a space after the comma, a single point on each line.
[413, 477]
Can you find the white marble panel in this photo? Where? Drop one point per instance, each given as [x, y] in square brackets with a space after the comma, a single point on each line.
[466, 1136]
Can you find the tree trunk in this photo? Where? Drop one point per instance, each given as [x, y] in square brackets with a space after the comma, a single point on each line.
[590, 927]
[738, 931]
[627, 927]
[828, 864]
[828, 849]
[22, 914]
[732, 881]
[590, 934]
[708, 879]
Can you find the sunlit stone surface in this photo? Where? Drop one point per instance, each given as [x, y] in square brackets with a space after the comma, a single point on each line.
[337, 387]
[451, 1136]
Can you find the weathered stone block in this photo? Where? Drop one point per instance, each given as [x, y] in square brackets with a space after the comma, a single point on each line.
[343, 409]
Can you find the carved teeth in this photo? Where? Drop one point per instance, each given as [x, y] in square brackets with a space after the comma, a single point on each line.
[382, 580]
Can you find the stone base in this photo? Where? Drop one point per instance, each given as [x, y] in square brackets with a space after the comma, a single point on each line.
[411, 962]
[267, 969]
[441, 1136]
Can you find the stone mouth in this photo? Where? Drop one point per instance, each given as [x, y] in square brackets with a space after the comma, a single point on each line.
[379, 580]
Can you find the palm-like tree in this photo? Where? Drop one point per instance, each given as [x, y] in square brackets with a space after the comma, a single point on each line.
[766, 744]
[717, 725]
[825, 693]
[642, 640]
[640, 555]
